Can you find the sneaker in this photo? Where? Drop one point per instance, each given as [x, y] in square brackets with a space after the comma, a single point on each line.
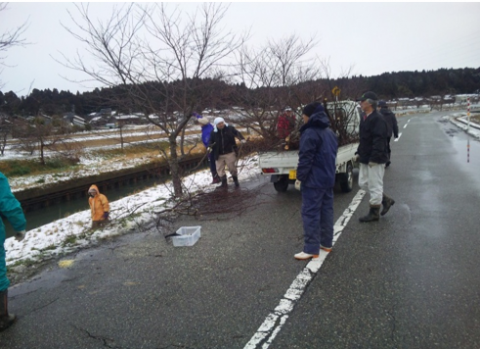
[303, 256]
[326, 249]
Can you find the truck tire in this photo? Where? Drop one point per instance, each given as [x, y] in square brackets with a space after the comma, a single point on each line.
[346, 179]
[282, 184]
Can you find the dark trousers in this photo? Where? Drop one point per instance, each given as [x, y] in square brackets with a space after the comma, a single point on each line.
[388, 147]
[213, 166]
[99, 224]
[317, 216]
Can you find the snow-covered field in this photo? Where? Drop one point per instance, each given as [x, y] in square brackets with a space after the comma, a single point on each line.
[89, 165]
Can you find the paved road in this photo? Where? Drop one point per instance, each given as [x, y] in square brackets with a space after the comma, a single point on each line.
[408, 281]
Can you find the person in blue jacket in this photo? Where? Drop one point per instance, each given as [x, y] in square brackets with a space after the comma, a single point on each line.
[10, 209]
[207, 129]
[316, 179]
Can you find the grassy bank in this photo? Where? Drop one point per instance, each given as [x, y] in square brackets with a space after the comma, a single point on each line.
[30, 167]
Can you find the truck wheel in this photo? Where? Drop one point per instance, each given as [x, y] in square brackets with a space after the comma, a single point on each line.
[346, 179]
[282, 184]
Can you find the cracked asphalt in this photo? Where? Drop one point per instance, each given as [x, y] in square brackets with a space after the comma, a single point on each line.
[408, 281]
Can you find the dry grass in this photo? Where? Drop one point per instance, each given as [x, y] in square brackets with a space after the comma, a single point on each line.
[475, 118]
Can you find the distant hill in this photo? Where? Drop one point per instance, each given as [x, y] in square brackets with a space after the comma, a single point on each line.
[406, 84]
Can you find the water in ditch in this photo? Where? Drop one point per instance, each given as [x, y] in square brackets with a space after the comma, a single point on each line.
[55, 211]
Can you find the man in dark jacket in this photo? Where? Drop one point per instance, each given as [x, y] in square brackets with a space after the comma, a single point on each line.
[392, 126]
[222, 143]
[373, 155]
[316, 177]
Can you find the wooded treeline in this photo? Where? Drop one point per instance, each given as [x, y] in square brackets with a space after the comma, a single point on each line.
[221, 94]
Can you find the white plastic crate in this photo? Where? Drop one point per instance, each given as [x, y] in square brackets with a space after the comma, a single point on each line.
[187, 236]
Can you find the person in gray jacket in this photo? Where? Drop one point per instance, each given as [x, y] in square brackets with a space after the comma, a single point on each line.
[392, 126]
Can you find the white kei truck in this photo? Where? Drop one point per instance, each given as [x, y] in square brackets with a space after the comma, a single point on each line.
[282, 165]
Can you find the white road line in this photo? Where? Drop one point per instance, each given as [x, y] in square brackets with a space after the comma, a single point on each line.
[405, 126]
[274, 322]
[399, 135]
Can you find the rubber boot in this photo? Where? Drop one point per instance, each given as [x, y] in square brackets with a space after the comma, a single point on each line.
[386, 203]
[235, 180]
[373, 214]
[224, 184]
[6, 320]
[215, 178]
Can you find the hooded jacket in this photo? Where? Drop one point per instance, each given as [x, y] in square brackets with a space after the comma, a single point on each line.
[10, 209]
[373, 139]
[98, 205]
[391, 120]
[318, 152]
[222, 141]
[206, 131]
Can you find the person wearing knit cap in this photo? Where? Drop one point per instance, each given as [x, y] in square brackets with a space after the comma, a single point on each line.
[223, 146]
[373, 155]
[207, 128]
[392, 126]
[316, 179]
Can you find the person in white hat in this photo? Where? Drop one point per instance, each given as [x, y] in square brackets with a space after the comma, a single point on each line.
[286, 123]
[223, 146]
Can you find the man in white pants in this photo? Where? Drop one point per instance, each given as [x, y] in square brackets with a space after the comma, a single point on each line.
[372, 154]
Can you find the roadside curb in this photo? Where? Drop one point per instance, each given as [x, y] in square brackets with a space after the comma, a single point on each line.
[458, 120]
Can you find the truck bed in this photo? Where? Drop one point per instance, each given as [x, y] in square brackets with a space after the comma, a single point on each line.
[282, 162]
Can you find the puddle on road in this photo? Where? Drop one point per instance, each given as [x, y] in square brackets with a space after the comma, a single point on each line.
[467, 153]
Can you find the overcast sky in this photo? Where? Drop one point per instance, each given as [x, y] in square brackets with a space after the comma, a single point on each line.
[370, 37]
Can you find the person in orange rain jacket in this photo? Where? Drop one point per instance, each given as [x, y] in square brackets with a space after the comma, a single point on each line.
[99, 207]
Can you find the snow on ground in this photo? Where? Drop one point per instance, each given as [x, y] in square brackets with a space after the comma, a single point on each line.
[89, 165]
[74, 232]
[460, 120]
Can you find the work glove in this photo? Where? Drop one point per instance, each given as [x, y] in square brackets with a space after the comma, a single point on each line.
[371, 164]
[105, 215]
[20, 235]
[209, 150]
[298, 185]
[243, 141]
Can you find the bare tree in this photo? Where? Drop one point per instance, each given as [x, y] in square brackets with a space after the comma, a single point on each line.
[276, 76]
[5, 130]
[10, 38]
[161, 58]
[40, 135]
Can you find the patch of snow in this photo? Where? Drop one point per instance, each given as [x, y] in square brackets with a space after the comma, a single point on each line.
[73, 232]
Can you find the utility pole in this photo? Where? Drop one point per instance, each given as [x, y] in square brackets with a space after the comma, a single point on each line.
[468, 114]
[468, 129]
